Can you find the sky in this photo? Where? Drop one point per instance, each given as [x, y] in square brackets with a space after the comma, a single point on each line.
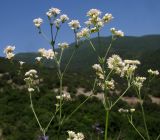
[134, 17]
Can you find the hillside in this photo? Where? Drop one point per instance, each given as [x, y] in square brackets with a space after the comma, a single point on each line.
[128, 47]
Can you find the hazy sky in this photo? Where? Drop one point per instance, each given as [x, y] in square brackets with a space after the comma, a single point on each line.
[134, 17]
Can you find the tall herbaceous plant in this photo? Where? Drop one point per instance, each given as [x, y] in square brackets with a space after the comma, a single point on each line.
[105, 71]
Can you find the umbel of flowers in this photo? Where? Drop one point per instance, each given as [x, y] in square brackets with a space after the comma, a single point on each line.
[106, 67]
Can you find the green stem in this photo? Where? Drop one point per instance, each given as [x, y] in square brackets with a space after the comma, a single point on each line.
[136, 130]
[120, 97]
[106, 125]
[158, 137]
[83, 101]
[110, 45]
[143, 114]
[69, 61]
[35, 115]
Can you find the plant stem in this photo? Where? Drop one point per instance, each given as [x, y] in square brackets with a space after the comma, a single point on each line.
[120, 97]
[158, 137]
[83, 101]
[110, 45]
[143, 114]
[136, 130]
[35, 115]
[106, 125]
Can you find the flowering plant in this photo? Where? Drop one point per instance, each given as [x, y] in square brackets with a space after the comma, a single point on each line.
[105, 69]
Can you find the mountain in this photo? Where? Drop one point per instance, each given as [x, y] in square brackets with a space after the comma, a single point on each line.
[143, 48]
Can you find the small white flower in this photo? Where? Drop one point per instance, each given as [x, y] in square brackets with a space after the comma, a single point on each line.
[121, 110]
[138, 82]
[97, 67]
[49, 14]
[63, 45]
[132, 62]
[94, 13]
[54, 12]
[74, 24]
[132, 110]
[117, 33]
[85, 32]
[153, 72]
[38, 59]
[49, 54]
[37, 22]
[9, 52]
[107, 17]
[109, 84]
[30, 89]
[64, 18]
[115, 63]
[21, 63]
[57, 23]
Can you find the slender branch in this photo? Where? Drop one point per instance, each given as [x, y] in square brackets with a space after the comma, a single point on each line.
[106, 125]
[35, 115]
[137, 130]
[158, 137]
[69, 61]
[110, 45]
[120, 97]
[143, 114]
[92, 92]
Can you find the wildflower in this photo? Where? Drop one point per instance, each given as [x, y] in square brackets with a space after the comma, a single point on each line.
[97, 67]
[30, 89]
[94, 30]
[107, 17]
[74, 136]
[117, 33]
[57, 23]
[49, 54]
[9, 52]
[85, 32]
[94, 13]
[138, 82]
[64, 18]
[109, 84]
[132, 110]
[88, 23]
[115, 63]
[53, 12]
[121, 110]
[31, 73]
[153, 72]
[21, 63]
[74, 24]
[133, 62]
[65, 96]
[37, 22]
[38, 59]
[63, 45]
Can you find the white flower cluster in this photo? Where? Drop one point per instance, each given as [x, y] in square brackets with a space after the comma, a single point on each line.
[121, 110]
[74, 136]
[117, 33]
[74, 24]
[65, 96]
[99, 71]
[138, 82]
[85, 32]
[30, 79]
[124, 68]
[153, 72]
[107, 17]
[53, 12]
[49, 54]
[101, 75]
[63, 45]
[37, 22]
[9, 52]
